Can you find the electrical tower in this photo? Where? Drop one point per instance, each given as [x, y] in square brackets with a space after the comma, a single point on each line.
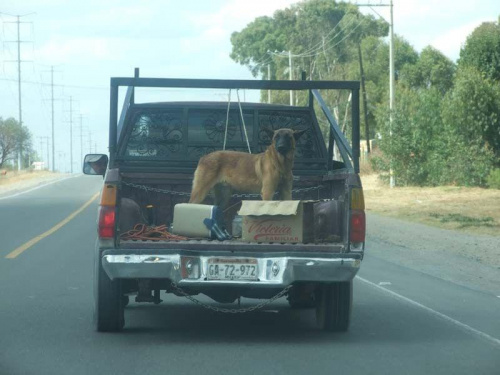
[81, 138]
[18, 41]
[52, 100]
[52, 116]
[71, 133]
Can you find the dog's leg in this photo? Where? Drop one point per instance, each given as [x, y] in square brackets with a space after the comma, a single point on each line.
[268, 189]
[285, 190]
[222, 195]
[202, 183]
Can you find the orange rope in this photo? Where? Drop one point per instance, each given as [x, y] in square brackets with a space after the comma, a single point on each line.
[142, 232]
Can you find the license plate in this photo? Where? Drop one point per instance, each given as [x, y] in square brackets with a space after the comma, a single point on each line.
[232, 269]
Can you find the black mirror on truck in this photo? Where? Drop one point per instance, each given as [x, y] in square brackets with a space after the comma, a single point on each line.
[95, 164]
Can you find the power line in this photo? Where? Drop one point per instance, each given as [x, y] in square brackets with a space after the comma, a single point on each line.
[312, 50]
[319, 46]
[327, 49]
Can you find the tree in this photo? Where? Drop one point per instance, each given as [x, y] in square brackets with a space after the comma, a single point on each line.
[415, 128]
[433, 141]
[12, 135]
[482, 50]
[472, 108]
[323, 36]
[433, 69]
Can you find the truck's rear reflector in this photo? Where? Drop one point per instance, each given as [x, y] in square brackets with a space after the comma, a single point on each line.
[108, 197]
[106, 225]
[357, 199]
[358, 226]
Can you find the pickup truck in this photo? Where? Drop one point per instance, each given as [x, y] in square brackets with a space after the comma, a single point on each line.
[154, 149]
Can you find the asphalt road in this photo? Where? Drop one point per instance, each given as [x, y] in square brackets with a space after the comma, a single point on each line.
[404, 322]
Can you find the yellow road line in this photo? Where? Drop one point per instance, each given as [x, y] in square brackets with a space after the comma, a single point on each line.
[56, 227]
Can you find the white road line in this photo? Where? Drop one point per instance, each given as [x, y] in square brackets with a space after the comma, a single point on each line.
[38, 187]
[465, 327]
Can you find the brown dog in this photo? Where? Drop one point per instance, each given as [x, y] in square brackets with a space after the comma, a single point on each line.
[263, 173]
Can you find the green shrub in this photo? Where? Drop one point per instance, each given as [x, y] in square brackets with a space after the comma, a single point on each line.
[493, 179]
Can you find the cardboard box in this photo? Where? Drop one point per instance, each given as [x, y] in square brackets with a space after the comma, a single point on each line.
[277, 221]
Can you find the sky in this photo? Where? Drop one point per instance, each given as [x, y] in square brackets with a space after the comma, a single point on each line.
[89, 42]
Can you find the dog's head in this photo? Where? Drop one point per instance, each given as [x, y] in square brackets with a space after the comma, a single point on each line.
[284, 139]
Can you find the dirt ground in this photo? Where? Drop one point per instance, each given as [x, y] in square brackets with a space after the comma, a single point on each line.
[14, 181]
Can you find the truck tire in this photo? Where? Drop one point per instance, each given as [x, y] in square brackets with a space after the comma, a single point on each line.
[309, 304]
[108, 301]
[298, 298]
[334, 306]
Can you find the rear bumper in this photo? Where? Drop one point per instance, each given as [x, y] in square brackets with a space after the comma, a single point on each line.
[191, 270]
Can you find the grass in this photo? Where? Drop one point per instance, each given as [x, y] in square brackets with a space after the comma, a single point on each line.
[472, 210]
[464, 221]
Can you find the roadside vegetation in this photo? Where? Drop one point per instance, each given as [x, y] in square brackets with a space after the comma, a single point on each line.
[14, 139]
[472, 210]
[445, 127]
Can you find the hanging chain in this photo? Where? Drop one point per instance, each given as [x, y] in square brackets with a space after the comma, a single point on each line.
[156, 190]
[186, 194]
[231, 311]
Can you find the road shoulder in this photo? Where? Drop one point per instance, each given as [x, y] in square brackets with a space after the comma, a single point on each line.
[468, 260]
[29, 182]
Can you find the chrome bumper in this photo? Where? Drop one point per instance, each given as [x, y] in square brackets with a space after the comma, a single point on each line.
[272, 271]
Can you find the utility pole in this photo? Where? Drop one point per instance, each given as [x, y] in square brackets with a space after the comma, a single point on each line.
[90, 142]
[47, 157]
[71, 133]
[47, 139]
[81, 139]
[19, 70]
[269, 78]
[52, 100]
[47, 152]
[18, 41]
[41, 148]
[52, 108]
[365, 101]
[290, 74]
[392, 181]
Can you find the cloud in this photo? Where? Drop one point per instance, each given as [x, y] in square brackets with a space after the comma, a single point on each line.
[236, 14]
[213, 29]
[452, 40]
[419, 10]
[65, 51]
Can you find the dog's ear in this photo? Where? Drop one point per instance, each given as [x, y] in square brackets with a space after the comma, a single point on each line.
[269, 132]
[298, 133]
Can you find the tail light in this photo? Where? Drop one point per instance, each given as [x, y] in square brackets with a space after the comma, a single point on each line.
[107, 212]
[358, 219]
[358, 226]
